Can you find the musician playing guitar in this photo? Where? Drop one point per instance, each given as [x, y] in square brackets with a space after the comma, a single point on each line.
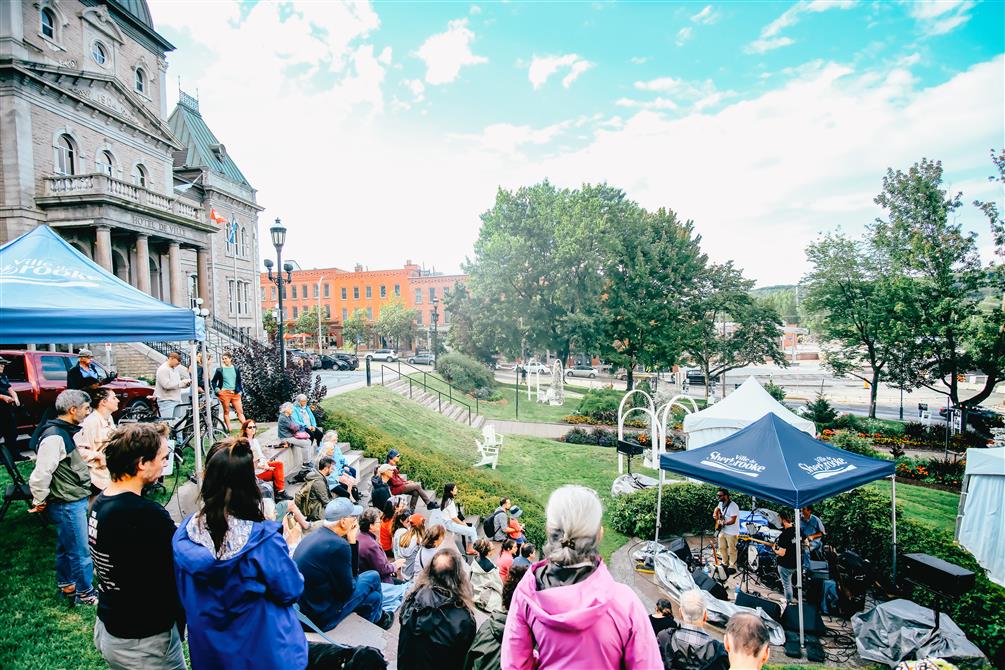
[726, 516]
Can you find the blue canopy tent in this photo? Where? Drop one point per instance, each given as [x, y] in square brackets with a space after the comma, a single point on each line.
[774, 460]
[52, 293]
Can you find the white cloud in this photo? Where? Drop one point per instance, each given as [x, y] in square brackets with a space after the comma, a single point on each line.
[938, 17]
[683, 35]
[658, 103]
[417, 89]
[474, 10]
[706, 16]
[699, 95]
[543, 67]
[447, 52]
[508, 139]
[639, 60]
[770, 38]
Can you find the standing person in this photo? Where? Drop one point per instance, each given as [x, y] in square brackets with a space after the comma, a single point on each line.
[334, 587]
[746, 641]
[486, 649]
[200, 371]
[452, 519]
[8, 403]
[235, 576]
[690, 646]
[84, 376]
[61, 483]
[93, 436]
[168, 385]
[228, 386]
[727, 522]
[372, 557]
[437, 617]
[266, 470]
[130, 542]
[485, 579]
[787, 549]
[303, 415]
[569, 612]
[662, 619]
[401, 486]
[288, 431]
[506, 557]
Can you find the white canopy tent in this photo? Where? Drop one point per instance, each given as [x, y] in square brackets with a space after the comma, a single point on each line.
[738, 410]
[981, 524]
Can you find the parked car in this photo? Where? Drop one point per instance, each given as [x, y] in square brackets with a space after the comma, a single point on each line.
[389, 355]
[329, 362]
[582, 371]
[534, 367]
[346, 361]
[424, 358]
[40, 376]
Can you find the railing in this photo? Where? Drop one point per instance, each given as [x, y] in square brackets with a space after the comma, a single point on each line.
[424, 384]
[167, 347]
[102, 184]
[236, 334]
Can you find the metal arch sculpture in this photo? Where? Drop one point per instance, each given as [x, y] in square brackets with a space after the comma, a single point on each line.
[622, 415]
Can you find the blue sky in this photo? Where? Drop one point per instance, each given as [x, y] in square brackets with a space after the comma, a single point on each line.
[384, 129]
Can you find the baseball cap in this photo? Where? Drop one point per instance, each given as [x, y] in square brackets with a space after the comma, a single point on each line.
[416, 519]
[391, 454]
[385, 468]
[340, 508]
[85, 353]
[3, 361]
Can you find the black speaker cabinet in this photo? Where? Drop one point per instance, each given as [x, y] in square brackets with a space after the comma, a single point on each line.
[938, 575]
[770, 607]
[812, 623]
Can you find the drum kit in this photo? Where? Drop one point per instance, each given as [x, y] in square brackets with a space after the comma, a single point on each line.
[756, 557]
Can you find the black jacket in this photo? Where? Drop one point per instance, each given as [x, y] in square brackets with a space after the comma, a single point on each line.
[678, 654]
[380, 493]
[75, 380]
[436, 632]
[216, 383]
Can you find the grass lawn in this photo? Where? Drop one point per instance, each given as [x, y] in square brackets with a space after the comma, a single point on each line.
[540, 465]
[928, 506]
[505, 408]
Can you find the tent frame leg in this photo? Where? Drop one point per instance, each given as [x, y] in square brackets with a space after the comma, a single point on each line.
[893, 522]
[196, 424]
[799, 577]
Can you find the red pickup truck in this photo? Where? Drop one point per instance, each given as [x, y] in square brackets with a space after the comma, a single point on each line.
[40, 376]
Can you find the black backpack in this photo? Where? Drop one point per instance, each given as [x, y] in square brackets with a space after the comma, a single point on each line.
[489, 524]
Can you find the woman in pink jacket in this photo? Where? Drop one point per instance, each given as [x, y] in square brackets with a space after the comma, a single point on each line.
[567, 611]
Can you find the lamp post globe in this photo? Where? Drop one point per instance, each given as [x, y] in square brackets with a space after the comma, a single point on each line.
[278, 234]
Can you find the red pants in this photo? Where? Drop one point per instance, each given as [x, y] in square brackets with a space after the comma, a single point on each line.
[275, 475]
[228, 398]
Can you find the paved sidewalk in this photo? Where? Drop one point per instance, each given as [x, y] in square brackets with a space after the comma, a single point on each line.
[546, 430]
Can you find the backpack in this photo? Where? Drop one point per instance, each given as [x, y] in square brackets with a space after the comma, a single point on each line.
[309, 505]
[489, 524]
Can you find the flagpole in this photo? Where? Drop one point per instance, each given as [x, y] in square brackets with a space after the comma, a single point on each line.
[237, 286]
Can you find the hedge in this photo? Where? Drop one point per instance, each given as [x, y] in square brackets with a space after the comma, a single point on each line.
[466, 373]
[480, 490]
[858, 519]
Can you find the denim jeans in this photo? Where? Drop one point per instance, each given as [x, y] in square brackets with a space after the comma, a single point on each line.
[393, 595]
[73, 557]
[366, 600]
[786, 576]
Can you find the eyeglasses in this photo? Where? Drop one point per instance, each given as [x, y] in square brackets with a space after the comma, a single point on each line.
[252, 427]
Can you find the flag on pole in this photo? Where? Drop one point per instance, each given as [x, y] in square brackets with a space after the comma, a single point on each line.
[232, 231]
[216, 217]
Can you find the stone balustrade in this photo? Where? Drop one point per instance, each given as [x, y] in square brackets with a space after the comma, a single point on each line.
[102, 184]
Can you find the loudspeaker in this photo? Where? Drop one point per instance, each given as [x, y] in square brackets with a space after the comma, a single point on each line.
[819, 570]
[812, 623]
[938, 575]
[678, 547]
[770, 607]
[706, 583]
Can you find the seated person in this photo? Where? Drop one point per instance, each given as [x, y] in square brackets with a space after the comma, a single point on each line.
[314, 495]
[485, 579]
[329, 447]
[526, 557]
[288, 429]
[506, 557]
[503, 518]
[514, 531]
[408, 543]
[328, 559]
[401, 486]
[304, 417]
[372, 557]
[266, 470]
[746, 641]
[431, 543]
[690, 646]
[662, 618]
[380, 491]
[450, 517]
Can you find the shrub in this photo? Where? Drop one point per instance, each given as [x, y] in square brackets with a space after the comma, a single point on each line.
[605, 437]
[486, 393]
[578, 436]
[480, 491]
[843, 439]
[687, 508]
[820, 411]
[601, 405]
[267, 385]
[775, 391]
[946, 472]
[464, 372]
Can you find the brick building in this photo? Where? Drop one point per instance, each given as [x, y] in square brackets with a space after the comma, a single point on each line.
[339, 293]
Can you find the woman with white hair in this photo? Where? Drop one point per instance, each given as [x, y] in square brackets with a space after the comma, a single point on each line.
[568, 612]
[292, 433]
[304, 417]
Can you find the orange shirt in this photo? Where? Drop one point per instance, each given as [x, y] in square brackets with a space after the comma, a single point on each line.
[385, 534]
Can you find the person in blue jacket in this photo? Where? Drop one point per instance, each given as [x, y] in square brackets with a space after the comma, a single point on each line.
[304, 416]
[235, 577]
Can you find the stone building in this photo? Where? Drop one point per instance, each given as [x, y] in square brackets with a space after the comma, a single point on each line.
[88, 148]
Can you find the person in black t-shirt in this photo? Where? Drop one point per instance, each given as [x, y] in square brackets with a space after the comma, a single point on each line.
[787, 550]
[8, 418]
[139, 614]
[662, 619]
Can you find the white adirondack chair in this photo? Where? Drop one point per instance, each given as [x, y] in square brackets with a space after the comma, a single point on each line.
[489, 446]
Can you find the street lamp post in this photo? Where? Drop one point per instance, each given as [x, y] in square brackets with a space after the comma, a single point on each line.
[436, 318]
[320, 279]
[278, 232]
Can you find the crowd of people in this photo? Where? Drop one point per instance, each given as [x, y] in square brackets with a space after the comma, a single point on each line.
[246, 572]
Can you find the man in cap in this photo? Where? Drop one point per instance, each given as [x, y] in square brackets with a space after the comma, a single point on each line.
[84, 376]
[328, 559]
[400, 485]
[8, 402]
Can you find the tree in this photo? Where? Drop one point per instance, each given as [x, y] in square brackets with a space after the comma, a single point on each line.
[308, 322]
[463, 335]
[269, 324]
[726, 328]
[648, 281]
[357, 329]
[857, 308]
[951, 332]
[396, 322]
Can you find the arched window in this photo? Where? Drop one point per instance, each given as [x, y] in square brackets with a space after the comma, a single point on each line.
[65, 158]
[244, 241]
[98, 53]
[140, 176]
[141, 80]
[104, 162]
[48, 19]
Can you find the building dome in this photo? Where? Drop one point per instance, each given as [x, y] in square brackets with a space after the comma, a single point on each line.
[138, 9]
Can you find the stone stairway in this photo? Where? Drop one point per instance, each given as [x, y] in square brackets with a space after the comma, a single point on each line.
[437, 403]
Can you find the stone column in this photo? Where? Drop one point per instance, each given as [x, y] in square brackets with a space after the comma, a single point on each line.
[202, 267]
[103, 246]
[176, 280]
[143, 263]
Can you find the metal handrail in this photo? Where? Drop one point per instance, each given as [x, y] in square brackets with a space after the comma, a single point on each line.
[450, 387]
[427, 387]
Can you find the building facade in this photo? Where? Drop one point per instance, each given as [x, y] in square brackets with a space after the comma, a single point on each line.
[87, 148]
[339, 293]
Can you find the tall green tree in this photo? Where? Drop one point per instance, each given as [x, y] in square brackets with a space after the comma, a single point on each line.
[649, 280]
[396, 323]
[467, 337]
[857, 308]
[951, 331]
[269, 324]
[307, 322]
[356, 329]
[725, 328]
